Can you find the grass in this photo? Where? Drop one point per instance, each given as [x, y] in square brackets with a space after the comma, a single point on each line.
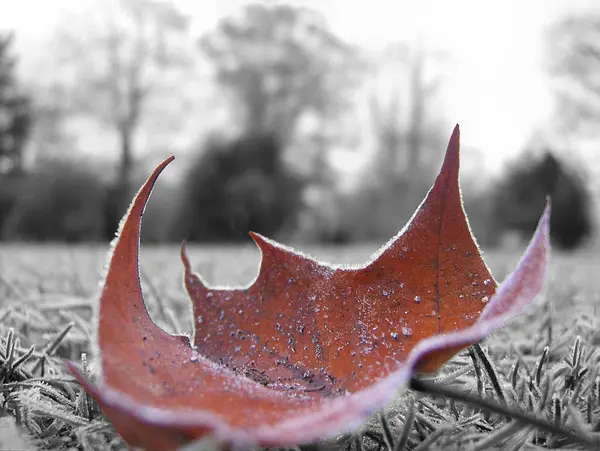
[533, 385]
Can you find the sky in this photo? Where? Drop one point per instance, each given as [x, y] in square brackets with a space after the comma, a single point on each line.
[496, 88]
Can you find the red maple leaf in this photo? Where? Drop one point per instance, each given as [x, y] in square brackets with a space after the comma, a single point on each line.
[307, 350]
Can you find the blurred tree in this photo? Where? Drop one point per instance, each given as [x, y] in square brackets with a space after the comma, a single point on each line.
[60, 200]
[280, 62]
[573, 53]
[389, 136]
[424, 141]
[237, 186]
[50, 139]
[519, 200]
[288, 78]
[15, 112]
[410, 136]
[120, 57]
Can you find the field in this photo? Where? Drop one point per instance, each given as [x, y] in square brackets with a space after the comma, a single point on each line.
[46, 293]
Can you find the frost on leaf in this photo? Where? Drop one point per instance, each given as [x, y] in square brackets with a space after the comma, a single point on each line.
[307, 350]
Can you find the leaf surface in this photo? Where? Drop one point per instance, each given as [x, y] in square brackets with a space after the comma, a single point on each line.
[307, 350]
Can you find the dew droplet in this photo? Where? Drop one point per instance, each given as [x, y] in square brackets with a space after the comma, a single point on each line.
[394, 335]
[199, 320]
[486, 282]
[417, 299]
[485, 299]
[195, 356]
[407, 331]
[401, 284]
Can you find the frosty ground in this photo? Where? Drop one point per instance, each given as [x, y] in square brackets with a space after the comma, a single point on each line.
[45, 298]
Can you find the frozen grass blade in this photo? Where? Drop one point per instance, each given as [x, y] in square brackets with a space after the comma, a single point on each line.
[494, 407]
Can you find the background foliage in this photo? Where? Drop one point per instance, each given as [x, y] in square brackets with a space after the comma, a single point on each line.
[289, 94]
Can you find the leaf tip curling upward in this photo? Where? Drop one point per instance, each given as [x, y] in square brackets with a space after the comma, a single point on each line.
[452, 158]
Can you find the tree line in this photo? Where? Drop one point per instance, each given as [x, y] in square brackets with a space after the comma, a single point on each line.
[286, 83]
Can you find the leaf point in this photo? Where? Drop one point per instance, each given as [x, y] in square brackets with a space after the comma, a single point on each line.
[446, 185]
[265, 245]
[451, 162]
[184, 258]
[121, 299]
[258, 239]
[191, 279]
